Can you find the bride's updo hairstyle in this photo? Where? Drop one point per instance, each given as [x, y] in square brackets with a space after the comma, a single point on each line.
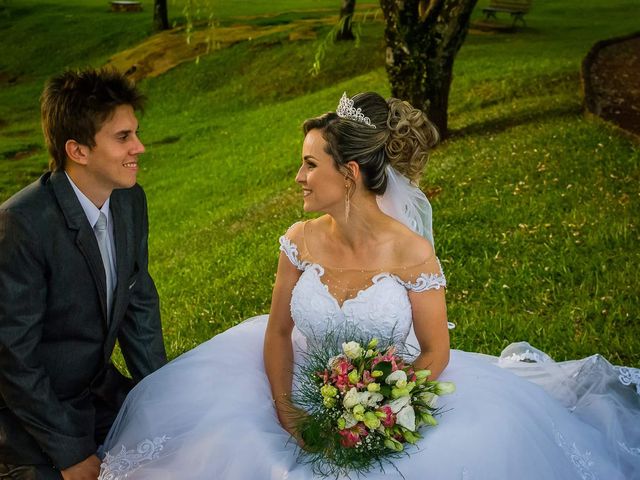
[402, 137]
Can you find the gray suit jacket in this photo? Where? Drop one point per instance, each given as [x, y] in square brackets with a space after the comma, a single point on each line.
[55, 340]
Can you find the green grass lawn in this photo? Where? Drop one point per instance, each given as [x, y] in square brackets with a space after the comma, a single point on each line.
[536, 208]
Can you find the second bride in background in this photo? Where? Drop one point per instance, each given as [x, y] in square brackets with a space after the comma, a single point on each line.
[368, 264]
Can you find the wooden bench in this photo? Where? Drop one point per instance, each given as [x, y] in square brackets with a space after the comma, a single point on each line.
[517, 8]
[126, 6]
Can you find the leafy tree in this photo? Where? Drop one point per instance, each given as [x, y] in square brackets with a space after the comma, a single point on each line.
[423, 38]
[160, 15]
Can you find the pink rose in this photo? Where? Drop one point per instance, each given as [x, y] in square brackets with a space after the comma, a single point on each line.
[351, 436]
[390, 419]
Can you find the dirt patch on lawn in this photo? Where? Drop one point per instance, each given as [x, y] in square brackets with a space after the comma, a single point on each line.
[163, 51]
[611, 81]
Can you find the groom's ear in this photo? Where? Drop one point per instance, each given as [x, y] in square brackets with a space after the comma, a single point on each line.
[76, 152]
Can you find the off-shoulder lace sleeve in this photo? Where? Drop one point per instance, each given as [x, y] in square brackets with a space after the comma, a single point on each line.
[291, 251]
[430, 278]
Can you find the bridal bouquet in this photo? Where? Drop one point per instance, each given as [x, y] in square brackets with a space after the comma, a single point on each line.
[364, 405]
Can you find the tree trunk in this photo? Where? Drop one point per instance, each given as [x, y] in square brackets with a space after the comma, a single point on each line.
[423, 38]
[160, 15]
[346, 16]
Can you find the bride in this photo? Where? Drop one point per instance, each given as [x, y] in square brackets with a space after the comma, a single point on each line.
[223, 410]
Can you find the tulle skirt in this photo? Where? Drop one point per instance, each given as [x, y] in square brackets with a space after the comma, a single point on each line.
[209, 415]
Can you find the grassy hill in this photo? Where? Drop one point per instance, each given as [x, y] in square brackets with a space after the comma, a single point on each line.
[535, 207]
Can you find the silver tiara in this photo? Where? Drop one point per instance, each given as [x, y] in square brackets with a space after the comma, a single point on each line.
[345, 110]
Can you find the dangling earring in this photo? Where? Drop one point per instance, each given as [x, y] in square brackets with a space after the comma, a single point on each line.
[347, 202]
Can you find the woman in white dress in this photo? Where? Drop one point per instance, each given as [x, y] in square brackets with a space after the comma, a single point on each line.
[223, 410]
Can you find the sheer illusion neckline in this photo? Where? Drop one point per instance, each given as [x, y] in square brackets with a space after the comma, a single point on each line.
[360, 291]
[380, 270]
[341, 294]
[343, 285]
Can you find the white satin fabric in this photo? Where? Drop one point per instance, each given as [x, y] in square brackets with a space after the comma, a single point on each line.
[208, 414]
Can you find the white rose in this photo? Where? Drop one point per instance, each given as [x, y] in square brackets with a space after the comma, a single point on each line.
[351, 399]
[353, 350]
[406, 418]
[396, 376]
[399, 403]
[431, 399]
[349, 419]
[370, 399]
[444, 388]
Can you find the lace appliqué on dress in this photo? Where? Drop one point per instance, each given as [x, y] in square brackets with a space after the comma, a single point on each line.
[581, 461]
[630, 450]
[628, 375]
[522, 352]
[527, 356]
[425, 281]
[290, 249]
[126, 461]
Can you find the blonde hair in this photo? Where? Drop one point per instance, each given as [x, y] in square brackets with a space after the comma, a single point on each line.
[411, 138]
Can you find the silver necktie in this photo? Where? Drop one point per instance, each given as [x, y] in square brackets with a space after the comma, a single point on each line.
[102, 236]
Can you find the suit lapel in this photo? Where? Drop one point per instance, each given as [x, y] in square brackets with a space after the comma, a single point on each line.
[85, 238]
[123, 234]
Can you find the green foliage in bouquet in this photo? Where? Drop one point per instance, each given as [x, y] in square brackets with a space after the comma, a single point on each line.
[364, 402]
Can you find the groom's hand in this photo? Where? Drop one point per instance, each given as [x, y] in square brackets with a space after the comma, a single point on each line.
[88, 469]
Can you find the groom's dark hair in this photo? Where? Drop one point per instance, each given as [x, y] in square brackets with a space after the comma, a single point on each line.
[75, 105]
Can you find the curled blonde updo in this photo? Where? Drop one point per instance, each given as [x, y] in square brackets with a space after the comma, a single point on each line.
[411, 137]
[403, 138]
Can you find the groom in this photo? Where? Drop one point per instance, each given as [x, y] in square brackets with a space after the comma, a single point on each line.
[73, 280]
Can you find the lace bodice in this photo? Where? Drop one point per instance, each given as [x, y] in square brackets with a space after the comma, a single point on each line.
[381, 308]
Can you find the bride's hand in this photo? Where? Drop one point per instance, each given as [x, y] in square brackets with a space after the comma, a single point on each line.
[291, 426]
[290, 417]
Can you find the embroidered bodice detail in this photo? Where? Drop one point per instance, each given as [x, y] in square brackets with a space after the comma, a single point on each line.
[381, 307]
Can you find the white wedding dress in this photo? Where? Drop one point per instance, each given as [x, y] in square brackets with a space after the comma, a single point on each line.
[209, 414]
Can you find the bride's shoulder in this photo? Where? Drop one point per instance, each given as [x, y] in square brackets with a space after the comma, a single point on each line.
[295, 231]
[299, 230]
[291, 239]
[411, 248]
[293, 242]
[419, 268]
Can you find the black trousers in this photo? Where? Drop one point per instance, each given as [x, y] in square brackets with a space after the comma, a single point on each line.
[29, 472]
